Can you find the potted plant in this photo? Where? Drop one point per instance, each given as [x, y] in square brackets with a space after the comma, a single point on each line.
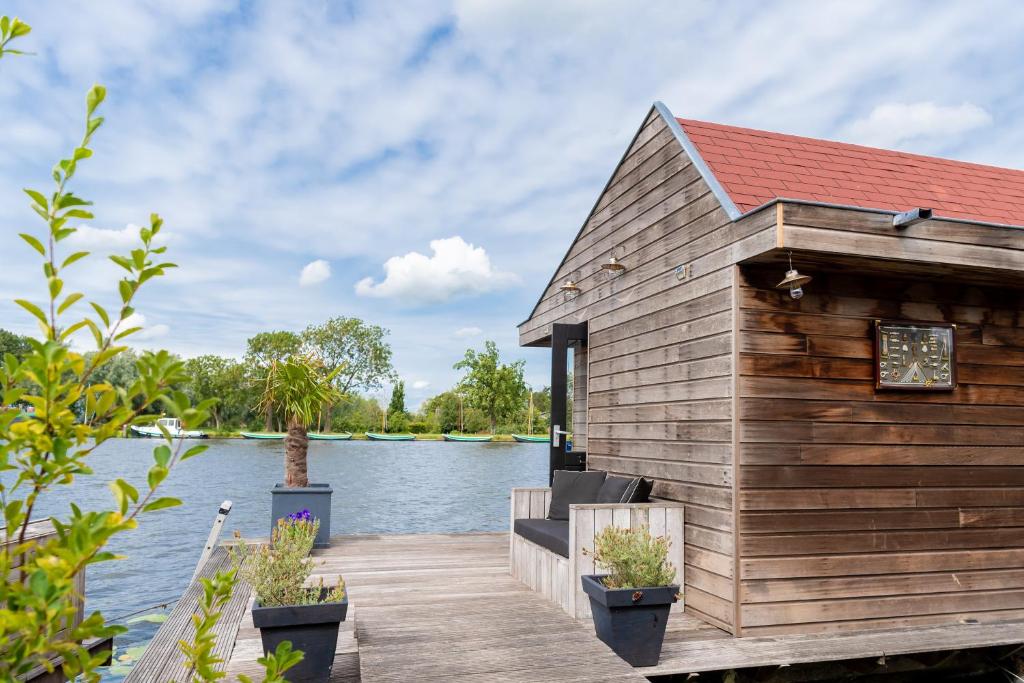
[286, 607]
[630, 605]
[300, 386]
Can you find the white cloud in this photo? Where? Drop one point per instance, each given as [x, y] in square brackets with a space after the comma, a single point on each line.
[894, 123]
[110, 239]
[420, 384]
[470, 331]
[146, 333]
[455, 269]
[314, 272]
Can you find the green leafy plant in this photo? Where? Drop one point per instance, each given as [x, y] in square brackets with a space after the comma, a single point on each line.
[634, 558]
[278, 572]
[44, 448]
[9, 30]
[199, 652]
[300, 386]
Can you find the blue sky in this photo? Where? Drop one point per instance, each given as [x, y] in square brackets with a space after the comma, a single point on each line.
[424, 166]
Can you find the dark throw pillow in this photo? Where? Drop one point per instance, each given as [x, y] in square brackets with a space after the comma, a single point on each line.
[625, 490]
[573, 487]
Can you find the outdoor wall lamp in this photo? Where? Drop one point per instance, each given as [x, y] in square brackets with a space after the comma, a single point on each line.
[613, 267]
[570, 290]
[793, 281]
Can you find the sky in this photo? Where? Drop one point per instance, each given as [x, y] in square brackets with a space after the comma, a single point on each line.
[424, 166]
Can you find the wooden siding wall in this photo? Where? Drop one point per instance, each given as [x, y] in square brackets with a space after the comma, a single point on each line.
[660, 348]
[864, 509]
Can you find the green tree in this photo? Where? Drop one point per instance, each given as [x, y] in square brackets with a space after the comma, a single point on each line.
[14, 344]
[300, 386]
[46, 451]
[497, 389]
[359, 349]
[222, 378]
[262, 351]
[397, 405]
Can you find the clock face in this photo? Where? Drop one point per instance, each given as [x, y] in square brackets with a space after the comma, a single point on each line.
[909, 356]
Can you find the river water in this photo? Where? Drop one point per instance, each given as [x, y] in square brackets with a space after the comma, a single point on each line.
[379, 487]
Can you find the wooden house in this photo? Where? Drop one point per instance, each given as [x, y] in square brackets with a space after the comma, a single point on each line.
[850, 459]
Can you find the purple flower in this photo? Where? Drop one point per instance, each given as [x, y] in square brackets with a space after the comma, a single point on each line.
[302, 515]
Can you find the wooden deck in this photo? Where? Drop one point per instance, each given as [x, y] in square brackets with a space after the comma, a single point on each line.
[443, 607]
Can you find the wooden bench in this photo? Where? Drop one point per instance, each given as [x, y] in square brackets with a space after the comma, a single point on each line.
[557, 578]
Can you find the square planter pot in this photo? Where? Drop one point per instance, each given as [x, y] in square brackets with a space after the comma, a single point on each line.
[631, 621]
[316, 498]
[310, 628]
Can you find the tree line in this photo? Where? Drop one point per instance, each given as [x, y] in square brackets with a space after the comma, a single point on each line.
[491, 395]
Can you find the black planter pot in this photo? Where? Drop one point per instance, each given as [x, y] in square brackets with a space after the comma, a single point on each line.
[316, 498]
[310, 628]
[631, 621]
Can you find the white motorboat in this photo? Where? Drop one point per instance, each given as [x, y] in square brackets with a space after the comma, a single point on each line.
[173, 427]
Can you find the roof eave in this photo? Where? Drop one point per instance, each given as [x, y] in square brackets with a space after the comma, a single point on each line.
[869, 209]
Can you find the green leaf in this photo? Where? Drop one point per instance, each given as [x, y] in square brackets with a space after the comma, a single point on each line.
[161, 503]
[96, 96]
[156, 475]
[34, 243]
[122, 261]
[193, 452]
[33, 309]
[69, 301]
[162, 455]
[125, 333]
[20, 28]
[77, 256]
[102, 313]
[56, 285]
[125, 288]
[147, 618]
[68, 331]
[78, 213]
[37, 197]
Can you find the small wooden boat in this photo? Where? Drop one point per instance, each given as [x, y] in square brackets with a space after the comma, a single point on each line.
[265, 436]
[523, 438]
[173, 427]
[459, 437]
[374, 436]
[344, 436]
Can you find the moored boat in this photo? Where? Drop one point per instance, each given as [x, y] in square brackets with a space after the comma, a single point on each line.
[173, 427]
[374, 436]
[344, 436]
[265, 436]
[459, 437]
[523, 438]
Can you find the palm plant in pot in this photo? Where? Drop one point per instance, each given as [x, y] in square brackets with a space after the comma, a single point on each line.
[300, 386]
[288, 606]
[631, 603]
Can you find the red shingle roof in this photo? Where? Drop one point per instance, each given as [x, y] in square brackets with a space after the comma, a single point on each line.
[756, 166]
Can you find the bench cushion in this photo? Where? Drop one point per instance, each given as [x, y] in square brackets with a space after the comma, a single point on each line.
[573, 487]
[552, 534]
[625, 490]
